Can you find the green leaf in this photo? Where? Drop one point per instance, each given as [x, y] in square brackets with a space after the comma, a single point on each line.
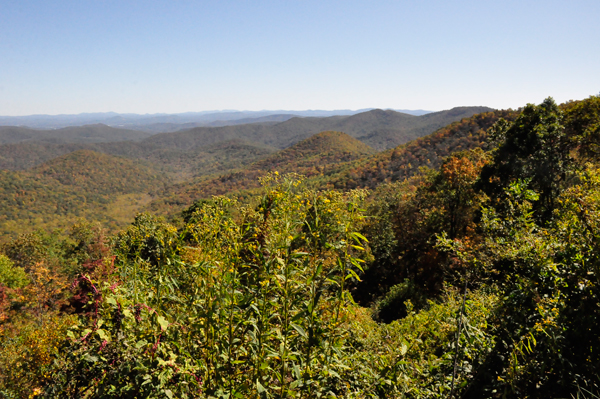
[141, 343]
[299, 329]
[91, 359]
[319, 269]
[163, 323]
[103, 335]
[299, 254]
[260, 388]
[356, 235]
[403, 349]
[352, 273]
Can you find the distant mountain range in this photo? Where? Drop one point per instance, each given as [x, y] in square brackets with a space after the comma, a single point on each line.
[49, 178]
[189, 153]
[172, 122]
[377, 128]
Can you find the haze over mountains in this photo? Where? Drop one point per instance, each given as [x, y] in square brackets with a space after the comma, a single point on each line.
[378, 128]
[185, 150]
[51, 177]
[155, 122]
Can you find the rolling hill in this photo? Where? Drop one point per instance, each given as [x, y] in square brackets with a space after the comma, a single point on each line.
[359, 167]
[312, 157]
[377, 128]
[180, 163]
[183, 153]
[96, 173]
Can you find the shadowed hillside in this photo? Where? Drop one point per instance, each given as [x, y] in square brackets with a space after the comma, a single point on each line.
[387, 129]
[28, 154]
[223, 156]
[92, 172]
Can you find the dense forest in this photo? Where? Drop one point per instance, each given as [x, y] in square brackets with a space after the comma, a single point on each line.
[463, 264]
[187, 165]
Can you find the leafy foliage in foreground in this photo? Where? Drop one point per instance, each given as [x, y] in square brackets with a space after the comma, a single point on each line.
[246, 308]
[241, 302]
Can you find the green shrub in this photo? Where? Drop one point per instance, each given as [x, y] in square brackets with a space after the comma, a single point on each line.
[393, 305]
[12, 276]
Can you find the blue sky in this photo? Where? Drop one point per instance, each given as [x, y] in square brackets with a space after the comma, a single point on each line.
[179, 56]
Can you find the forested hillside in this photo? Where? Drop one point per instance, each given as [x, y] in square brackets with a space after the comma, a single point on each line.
[98, 133]
[462, 264]
[355, 167]
[378, 129]
[312, 158]
[82, 184]
[429, 151]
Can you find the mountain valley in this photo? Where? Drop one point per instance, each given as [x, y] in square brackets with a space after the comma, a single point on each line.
[170, 170]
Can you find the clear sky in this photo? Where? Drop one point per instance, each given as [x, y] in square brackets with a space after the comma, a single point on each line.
[147, 56]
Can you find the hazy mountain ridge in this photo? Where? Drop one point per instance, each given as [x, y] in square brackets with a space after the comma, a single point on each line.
[174, 127]
[126, 120]
[179, 168]
[377, 128]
